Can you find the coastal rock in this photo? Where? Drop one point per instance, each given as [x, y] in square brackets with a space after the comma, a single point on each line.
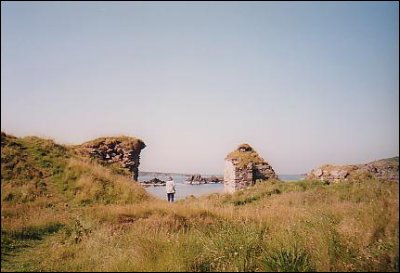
[153, 182]
[243, 167]
[123, 150]
[198, 179]
[317, 172]
[215, 179]
[385, 169]
[339, 174]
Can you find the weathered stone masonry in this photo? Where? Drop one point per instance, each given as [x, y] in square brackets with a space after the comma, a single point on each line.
[123, 150]
[243, 167]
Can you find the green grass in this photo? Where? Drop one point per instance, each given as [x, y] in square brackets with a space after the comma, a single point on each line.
[123, 141]
[288, 260]
[80, 216]
[244, 158]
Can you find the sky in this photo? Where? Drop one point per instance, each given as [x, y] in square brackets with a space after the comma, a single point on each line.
[304, 83]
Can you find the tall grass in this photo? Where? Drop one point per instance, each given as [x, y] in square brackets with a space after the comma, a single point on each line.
[89, 219]
[317, 229]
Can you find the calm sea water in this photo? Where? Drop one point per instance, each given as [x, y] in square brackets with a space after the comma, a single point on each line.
[183, 190]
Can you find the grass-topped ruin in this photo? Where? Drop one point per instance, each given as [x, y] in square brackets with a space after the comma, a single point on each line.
[243, 167]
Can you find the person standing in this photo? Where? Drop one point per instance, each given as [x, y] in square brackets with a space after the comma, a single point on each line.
[170, 189]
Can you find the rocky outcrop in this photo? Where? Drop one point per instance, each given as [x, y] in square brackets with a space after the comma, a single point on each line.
[243, 167]
[153, 182]
[121, 150]
[215, 179]
[385, 169]
[196, 179]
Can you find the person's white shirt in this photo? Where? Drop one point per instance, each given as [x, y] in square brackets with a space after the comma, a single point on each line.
[170, 186]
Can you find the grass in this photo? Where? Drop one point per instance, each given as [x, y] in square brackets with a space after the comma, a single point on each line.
[288, 260]
[123, 141]
[87, 218]
[244, 155]
[318, 228]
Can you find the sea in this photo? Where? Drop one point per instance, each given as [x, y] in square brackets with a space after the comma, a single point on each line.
[184, 190]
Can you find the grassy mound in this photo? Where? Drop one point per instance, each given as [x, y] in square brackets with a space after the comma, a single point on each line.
[44, 186]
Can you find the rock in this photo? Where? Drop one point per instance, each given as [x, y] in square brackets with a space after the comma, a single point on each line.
[317, 172]
[196, 179]
[215, 179]
[385, 169]
[154, 182]
[339, 174]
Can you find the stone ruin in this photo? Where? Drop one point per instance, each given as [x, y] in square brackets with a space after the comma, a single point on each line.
[121, 150]
[243, 167]
[384, 169]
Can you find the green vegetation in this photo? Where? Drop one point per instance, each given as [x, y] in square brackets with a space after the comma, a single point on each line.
[244, 155]
[124, 141]
[80, 216]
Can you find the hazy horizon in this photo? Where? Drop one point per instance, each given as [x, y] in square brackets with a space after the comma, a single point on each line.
[304, 84]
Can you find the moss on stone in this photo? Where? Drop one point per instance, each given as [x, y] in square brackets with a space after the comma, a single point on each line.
[244, 155]
[122, 141]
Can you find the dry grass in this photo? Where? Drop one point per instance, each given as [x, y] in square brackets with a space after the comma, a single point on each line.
[243, 158]
[90, 219]
[320, 228]
[123, 141]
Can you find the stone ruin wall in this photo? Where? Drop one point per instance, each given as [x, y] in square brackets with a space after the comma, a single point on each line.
[236, 178]
[116, 151]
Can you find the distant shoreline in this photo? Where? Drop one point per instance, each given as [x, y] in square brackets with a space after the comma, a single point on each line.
[285, 177]
[143, 173]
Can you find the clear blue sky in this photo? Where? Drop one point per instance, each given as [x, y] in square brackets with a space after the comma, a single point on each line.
[303, 83]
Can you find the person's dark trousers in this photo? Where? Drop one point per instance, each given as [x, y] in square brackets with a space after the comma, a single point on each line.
[170, 197]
